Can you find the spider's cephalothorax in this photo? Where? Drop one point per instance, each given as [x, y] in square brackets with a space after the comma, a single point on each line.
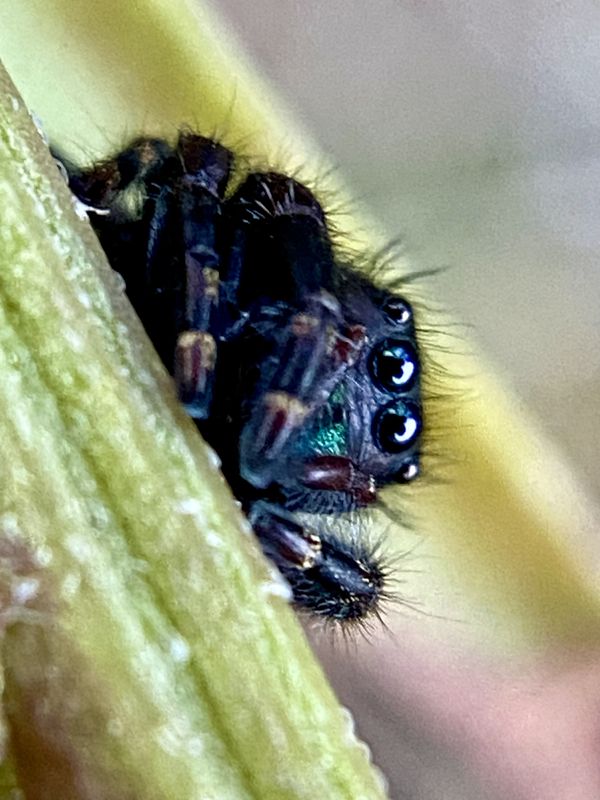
[303, 375]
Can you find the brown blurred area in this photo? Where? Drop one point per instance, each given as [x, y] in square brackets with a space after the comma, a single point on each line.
[473, 131]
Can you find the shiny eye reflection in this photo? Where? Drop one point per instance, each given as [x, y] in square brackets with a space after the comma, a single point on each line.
[394, 365]
[398, 310]
[397, 426]
[408, 471]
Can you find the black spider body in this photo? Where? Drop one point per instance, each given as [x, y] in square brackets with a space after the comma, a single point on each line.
[303, 375]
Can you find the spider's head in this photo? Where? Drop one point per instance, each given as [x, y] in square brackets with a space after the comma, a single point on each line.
[367, 434]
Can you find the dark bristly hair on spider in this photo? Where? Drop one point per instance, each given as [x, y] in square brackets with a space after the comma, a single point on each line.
[303, 374]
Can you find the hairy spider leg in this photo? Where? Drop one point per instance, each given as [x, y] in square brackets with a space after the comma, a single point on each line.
[282, 263]
[175, 289]
[157, 289]
[120, 186]
[207, 166]
[140, 163]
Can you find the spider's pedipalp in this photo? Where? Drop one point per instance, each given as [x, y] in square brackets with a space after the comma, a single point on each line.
[328, 576]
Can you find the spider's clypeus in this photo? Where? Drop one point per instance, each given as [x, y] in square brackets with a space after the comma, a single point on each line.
[303, 375]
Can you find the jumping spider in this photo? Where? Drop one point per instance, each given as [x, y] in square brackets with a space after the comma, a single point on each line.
[303, 375]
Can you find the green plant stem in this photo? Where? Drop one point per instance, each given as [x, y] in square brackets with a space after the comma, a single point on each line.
[147, 650]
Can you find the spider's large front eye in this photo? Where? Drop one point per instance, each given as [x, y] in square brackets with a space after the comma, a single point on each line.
[397, 426]
[394, 365]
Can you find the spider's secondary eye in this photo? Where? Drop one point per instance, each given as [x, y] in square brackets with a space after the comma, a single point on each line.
[396, 426]
[394, 365]
[398, 310]
[408, 471]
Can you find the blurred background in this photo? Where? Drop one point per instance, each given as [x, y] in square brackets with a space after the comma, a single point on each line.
[472, 130]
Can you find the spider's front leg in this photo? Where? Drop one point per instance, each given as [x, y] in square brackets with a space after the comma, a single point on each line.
[207, 167]
[281, 257]
[161, 234]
